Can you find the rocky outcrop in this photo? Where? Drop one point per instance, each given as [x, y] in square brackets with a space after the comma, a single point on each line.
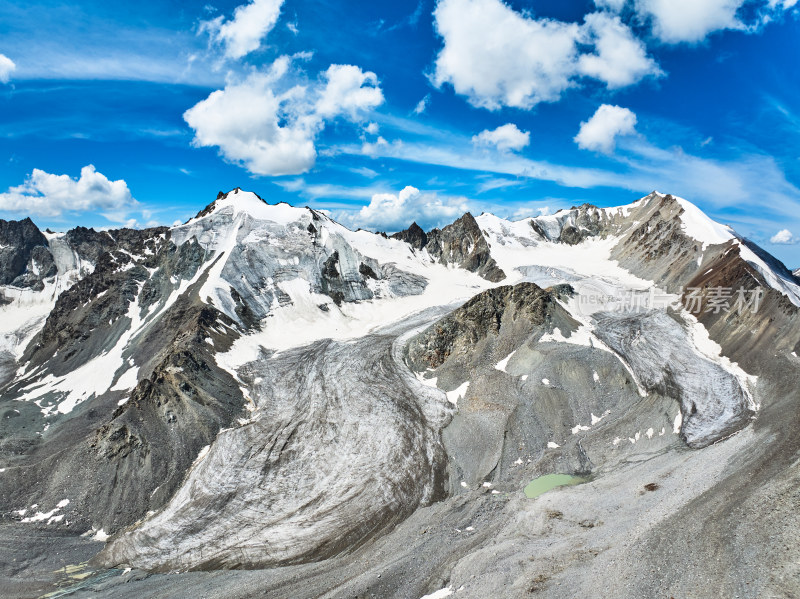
[754, 321]
[484, 315]
[462, 244]
[656, 246]
[86, 317]
[24, 257]
[574, 225]
[413, 236]
[138, 443]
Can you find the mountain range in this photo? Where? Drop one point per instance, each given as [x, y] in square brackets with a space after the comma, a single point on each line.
[261, 401]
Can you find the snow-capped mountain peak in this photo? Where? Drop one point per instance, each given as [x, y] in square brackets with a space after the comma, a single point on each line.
[237, 202]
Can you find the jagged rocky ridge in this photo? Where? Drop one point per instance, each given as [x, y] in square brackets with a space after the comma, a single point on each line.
[461, 244]
[189, 370]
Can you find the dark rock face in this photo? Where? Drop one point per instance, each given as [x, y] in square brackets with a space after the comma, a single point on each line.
[413, 236]
[657, 248]
[752, 335]
[367, 271]
[481, 316]
[139, 447]
[141, 455]
[463, 244]
[24, 257]
[92, 307]
[343, 288]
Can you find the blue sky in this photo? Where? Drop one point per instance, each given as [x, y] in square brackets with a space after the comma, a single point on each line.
[388, 112]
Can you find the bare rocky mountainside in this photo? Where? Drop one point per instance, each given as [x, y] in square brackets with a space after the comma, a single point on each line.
[262, 402]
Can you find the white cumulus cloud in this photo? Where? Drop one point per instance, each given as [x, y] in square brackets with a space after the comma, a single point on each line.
[394, 212]
[270, 126]
[600, 132]
[348, 90]
[784, 237]
[498, 57]
[250, 25]
[7, 67]
[675, 21]
[620, 59]
[45, 194]
[505, 137]
[691, 21]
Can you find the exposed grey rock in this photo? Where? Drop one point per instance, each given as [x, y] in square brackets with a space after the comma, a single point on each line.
[485, 314]
[24, 258]
[413, 236]
[462, 244]
[138, 452]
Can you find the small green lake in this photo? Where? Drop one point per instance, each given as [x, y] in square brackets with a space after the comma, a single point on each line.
[545, 483]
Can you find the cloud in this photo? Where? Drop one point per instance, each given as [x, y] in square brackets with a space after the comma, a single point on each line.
[7, 67]
[612, 5]
[72, 40]
[348, 91]
[600, 132]
[676, 21]
[394, 212]
[365, 172]
[620, 59]
[505, 137]
[530, 211]
[492, 183]
[250, 25]
[315, 191]
[498, 57]
[44, 194]
[270, 126]
[638, 165]
[691, 21]
[422, 105]
[784, 237]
